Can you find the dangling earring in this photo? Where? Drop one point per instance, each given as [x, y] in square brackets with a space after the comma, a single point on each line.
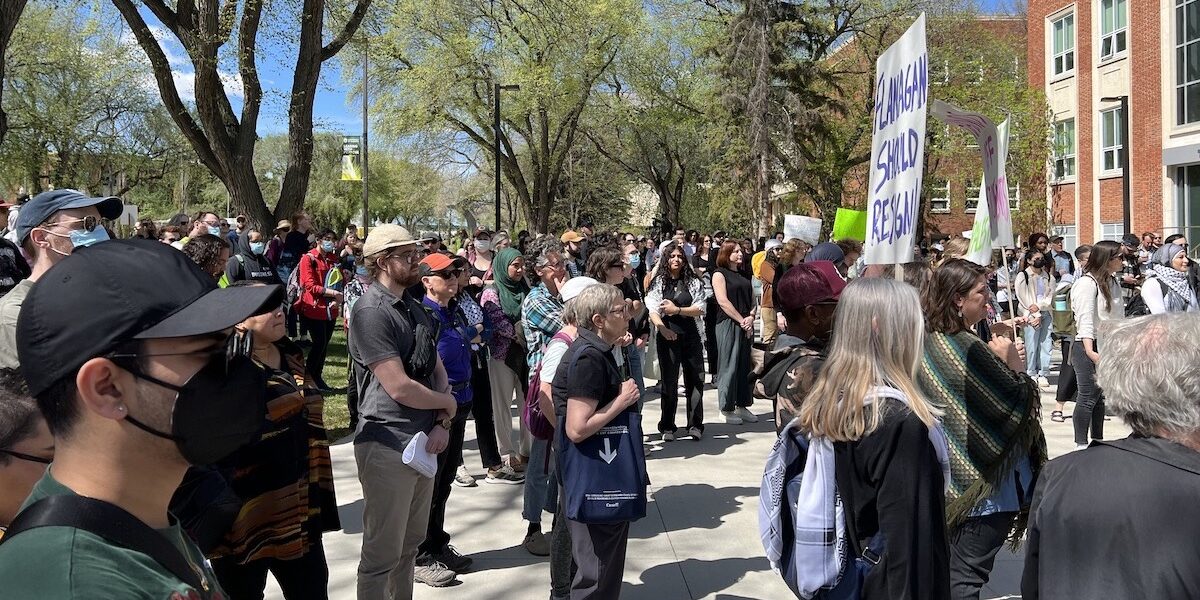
[960, 313]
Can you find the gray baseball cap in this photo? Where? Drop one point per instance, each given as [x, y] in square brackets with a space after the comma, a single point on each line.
[44, 205]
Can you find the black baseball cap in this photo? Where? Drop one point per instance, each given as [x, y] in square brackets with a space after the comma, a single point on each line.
[42, 206]
[114, 292]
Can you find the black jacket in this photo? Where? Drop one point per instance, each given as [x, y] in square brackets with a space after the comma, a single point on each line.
[246, 265]
[891, 481]
[1118, 520]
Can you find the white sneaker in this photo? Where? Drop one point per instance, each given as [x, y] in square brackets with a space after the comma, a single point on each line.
[668, 436]
[1043, 382]
[746, 415]
[696, 433]
[732, 418]
[1081, 446]
[463, 477]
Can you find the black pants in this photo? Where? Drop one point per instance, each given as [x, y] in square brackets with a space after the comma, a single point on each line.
[1067, 384]
[1089, 408]
[292, 318]
[599, 553]
[306, 577]
[321, 332]
[973, 548]
[481, 412]
[683, 352]
[711, 308]
[562, 564]
[436, 537]
[351, 395]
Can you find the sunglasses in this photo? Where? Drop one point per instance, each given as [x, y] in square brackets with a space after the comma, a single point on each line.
[239, 344]
[89, 222]
[28, 457]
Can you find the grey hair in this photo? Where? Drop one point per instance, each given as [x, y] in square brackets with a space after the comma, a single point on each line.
[539, 253]
[1147, 371]
[568, 313]
[594, 300]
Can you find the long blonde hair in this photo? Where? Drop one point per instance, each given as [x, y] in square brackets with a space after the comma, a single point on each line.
[878, 340]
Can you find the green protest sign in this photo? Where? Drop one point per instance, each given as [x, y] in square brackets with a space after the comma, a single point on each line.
[850, 224]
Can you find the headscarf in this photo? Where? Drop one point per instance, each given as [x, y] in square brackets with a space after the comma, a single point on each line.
[511, 291]
[826, 251]
[1178, 292]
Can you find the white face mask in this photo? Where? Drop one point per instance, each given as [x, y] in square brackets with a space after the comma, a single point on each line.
[483, 245]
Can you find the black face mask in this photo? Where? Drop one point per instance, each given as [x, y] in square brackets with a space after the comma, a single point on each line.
[220, 409]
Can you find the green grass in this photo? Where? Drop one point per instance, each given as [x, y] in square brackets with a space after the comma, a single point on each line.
[337, 362]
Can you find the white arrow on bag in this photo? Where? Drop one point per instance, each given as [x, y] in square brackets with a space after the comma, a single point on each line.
[608, 454]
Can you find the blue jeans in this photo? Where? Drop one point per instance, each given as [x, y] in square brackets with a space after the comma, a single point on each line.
[541, 483]
[1037, 347]
[636, 357]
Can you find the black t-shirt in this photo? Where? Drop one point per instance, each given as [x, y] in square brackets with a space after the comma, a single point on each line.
[587, 370]
[630, 289]
[676, 290]
[740, 293]
[294, 246]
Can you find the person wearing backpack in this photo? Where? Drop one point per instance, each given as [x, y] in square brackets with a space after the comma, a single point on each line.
[868, 436]
[320, 301]
[1064, 330]
[248, 262]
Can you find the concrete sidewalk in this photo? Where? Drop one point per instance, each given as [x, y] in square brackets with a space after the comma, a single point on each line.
[699, 538]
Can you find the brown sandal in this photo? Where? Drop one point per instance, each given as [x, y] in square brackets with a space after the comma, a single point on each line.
[1057, 417]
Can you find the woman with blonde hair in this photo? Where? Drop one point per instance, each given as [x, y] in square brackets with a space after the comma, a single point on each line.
[889, 454]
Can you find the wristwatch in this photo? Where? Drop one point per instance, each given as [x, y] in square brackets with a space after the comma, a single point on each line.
[445, 423]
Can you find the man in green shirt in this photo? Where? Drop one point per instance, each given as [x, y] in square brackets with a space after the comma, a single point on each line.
[138, 378]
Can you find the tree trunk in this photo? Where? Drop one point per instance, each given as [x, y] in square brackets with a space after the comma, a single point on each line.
[10, 13]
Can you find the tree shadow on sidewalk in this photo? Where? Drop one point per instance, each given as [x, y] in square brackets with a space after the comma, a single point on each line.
[701, 578]
[693, 506]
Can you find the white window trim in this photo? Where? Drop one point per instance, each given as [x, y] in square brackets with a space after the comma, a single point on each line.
[1177, 127]
[943, 197]
[1102, 59]
[968, 198]
[1050, 45]
[1073, 155]
[1014, 200]
[1104, 173]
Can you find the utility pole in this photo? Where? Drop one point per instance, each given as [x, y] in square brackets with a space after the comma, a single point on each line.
[366, 211]
[496, 147]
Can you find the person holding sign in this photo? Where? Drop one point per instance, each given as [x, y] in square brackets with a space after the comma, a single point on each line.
[991, 417]
[596, 400]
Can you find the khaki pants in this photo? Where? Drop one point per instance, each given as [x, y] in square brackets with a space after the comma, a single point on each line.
[396, 501]
[770, 325]
[506, 383]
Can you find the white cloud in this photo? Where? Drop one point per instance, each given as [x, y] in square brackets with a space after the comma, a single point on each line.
[181, 67]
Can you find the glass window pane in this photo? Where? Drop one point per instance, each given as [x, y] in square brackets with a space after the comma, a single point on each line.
[1192, 192]
[1070, 61]
[1181, 106]
[1106, 46]
[1193, 103]
[1121, 41]
[1069, 31]
[1179, 26]
[1122, 14]
[1192, 22]
[1058, 35]
[1071, 136]
[1192, 71]
[1106, 129]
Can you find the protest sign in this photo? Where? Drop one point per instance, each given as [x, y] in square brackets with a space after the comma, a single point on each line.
[850, 225]
[897, 148]
[993, 146]
[980, 249]
[800, 227]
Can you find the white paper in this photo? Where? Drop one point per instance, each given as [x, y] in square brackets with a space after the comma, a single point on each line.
[897, 148]
[801, 227]
[420, 459]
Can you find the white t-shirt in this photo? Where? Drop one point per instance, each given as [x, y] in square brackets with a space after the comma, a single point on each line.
[555, 351]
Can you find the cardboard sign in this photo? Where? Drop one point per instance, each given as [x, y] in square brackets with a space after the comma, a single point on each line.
[850, 225]
[897, 148]
[993, 147]
[801, 227]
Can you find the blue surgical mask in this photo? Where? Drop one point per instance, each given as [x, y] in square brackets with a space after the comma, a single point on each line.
[327, 246]
[83, 237]
[635, 261]
[257, 247]
[361, 271]
[214, 230]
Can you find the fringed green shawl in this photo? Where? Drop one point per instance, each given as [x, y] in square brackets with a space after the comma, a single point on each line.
[990, 414]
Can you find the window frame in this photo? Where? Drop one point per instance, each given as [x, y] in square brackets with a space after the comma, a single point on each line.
[971, 201]
[1067, 53]
[1118, 228]
[1118, 33]
[1182, 93]
[939, 195]
[1057, 128]
[1117, 148]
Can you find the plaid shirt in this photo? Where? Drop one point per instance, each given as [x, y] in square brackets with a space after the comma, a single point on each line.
[542, 313]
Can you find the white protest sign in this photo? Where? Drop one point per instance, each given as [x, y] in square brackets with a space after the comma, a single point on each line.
[993, 146]
[982, 235]
[897, 148]
[801, 227]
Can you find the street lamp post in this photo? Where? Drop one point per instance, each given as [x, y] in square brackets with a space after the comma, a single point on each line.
[363, 150]
[496, 147]
[1125, 174]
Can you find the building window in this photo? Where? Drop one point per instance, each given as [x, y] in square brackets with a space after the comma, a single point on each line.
[972, 203]
[1064, 44]
[1112, 231]
[1114, 19]
[1187, 200]
[1112, 147]
[1187, 61]
[1064, 149]
[1014, 197]
[939, 201]
[1069, 235]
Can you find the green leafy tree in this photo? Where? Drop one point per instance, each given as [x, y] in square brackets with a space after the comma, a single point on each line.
[10, 13]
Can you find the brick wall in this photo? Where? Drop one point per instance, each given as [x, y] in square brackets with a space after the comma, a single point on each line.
[1145, 130]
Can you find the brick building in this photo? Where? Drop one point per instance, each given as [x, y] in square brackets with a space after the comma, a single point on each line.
[1088, 53]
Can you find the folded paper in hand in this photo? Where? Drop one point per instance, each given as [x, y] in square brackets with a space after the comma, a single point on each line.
[417, 457]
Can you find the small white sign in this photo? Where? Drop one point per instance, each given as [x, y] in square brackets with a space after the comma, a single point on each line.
[802, 228]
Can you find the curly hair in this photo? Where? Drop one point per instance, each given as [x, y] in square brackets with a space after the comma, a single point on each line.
[205, 250]
[787, 254]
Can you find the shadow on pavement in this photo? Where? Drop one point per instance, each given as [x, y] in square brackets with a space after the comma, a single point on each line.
[694, 506]
[702, 578]
[503, 558]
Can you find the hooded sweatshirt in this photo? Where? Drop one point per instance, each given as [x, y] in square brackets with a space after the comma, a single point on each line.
[246, 265]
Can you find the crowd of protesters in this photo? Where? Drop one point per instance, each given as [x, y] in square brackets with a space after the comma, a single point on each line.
[162, 402]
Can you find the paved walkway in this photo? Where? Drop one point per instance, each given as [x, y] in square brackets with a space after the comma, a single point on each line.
[699, 538]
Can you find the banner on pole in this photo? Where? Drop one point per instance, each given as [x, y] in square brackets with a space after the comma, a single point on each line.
[351, 158]
[993, 147]
[850, 224]
[897, 148]
[801, 227]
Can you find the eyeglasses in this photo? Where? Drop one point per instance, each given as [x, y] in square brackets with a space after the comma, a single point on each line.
[28, 457]
[409, 257]
[618, 311]
[89, 222]
[239, 344]
[447, 274]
